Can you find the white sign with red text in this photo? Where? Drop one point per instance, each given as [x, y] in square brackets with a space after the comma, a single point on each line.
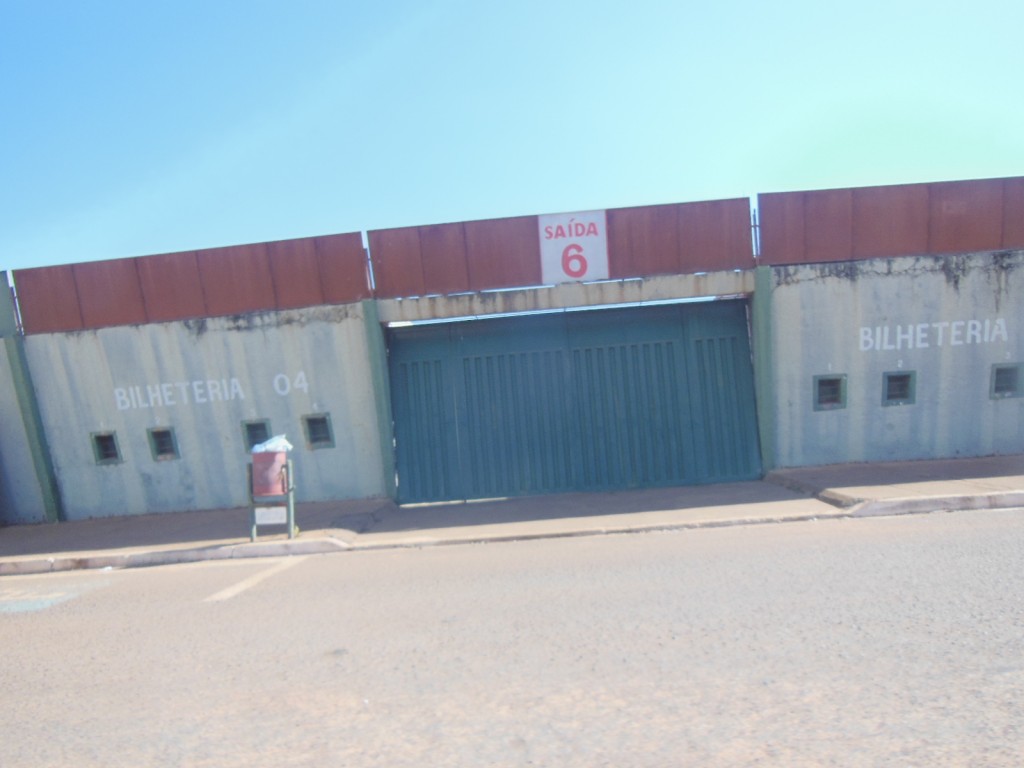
[573, 247]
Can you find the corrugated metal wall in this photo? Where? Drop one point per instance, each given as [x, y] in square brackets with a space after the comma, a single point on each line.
[682, 238]
[454, 258]
[872, 222]
[179, 286]
[445, 259]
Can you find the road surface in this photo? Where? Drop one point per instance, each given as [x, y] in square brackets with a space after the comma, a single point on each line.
[870, 642]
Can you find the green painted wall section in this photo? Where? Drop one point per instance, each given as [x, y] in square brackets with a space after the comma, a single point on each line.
[377, 353]
[764, 368]
[35, 437]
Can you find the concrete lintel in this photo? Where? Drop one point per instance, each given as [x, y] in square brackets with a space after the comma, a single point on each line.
[567, 295]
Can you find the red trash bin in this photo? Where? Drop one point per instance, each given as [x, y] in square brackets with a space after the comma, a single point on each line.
[268, 475]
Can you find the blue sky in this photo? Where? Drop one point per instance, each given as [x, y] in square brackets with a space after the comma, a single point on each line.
[133, 128]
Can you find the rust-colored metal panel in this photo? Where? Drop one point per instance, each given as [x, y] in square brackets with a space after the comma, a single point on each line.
[443, 249]
[109, 293]
[643, 241]
[714, 236]
[502, 253]
[1013, 213]
[828, 225]
[295, 270]
[343, 268]
[236, 279]
[890, 221]
[171, 288]
[397, 264]
[620, 255]
[48, 299]
[781, 221]
[965, 216]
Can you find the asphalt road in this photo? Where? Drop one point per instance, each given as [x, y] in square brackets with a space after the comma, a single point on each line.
[870, 642]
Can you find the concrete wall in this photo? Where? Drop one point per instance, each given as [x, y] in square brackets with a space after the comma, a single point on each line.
[204, 379]
[946, 318]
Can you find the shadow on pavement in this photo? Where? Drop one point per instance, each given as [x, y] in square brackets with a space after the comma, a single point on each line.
[395, 519]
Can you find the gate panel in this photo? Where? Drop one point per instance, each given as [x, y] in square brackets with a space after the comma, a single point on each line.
[515, 437]
[630, 376]
[723, 395]
[514, 430]
[595, 400]
[628, 408]
[423, 410]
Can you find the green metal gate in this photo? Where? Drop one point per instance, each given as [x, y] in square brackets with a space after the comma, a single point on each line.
[590, 400]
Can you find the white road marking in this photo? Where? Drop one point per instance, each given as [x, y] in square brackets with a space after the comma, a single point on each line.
[252, 581]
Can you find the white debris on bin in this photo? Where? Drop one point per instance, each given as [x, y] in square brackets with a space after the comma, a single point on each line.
[276, 444]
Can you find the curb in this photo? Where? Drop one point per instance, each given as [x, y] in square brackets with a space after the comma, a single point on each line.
[172, 556]
[911, 505]
[848, 507]
[918, 505]
[827, 495]
[328, 545]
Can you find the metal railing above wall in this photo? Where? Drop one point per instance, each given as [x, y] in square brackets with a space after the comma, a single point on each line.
[16, 311]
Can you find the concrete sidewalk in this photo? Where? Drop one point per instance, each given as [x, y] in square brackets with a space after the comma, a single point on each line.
[849, 490]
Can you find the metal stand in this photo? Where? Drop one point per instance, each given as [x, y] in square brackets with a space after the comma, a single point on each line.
[273, 510]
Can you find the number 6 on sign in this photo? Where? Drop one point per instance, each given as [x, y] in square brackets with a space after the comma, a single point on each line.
[574, 263]
[573, 246]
